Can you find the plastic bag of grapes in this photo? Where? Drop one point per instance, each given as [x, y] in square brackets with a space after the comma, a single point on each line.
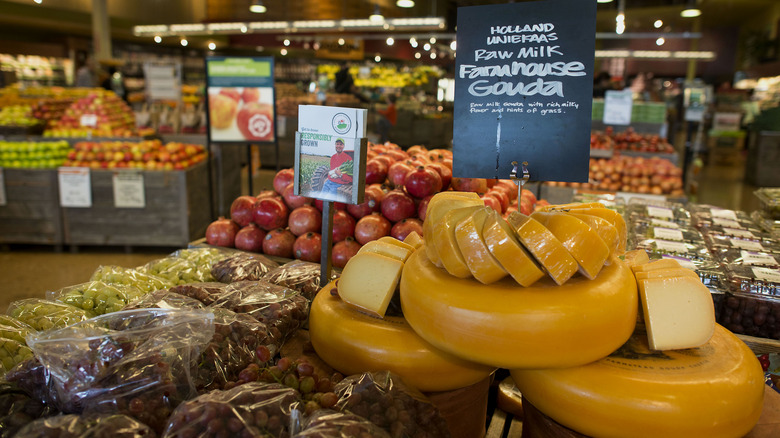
[44, 314]
[134, 362]
[326, 423]
[250, 410]
[18, 334]
[237, 340]
[87, 426]
[298, 275]
[12, 353]
[165, 299]
[242, 266]
[386, 401]
[18, 409]
[174, 269]
[96, 297]
[34, 379]
[204, 258]
[206, 293]
[130, 277]
[282, 309]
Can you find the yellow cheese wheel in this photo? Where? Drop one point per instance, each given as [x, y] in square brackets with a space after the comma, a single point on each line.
[544, 246]
[612, 216]
[508, 326]
[502, 242]
[353, 342]
[584, 244]
[438, 206]
[715, 390]
[509, 399]
[468, 233]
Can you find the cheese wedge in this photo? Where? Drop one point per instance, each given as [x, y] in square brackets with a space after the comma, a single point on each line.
[612, 216]
[636, 257]
[393, 241]
[502, 242]
[603, 228]
[544, 246]
[468, 233]
[446, 243]
[414, 240]
[439, 205]
[666, 273]
[584, 244]
[657, 264]
[572, 206]
[679, 312]
[369, 281]
[386, 249]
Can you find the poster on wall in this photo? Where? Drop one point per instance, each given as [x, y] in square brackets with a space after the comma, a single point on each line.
[240, 99]
[523, 89]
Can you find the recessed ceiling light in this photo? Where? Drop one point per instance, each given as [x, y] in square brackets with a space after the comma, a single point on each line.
[658, 24]
[184, 42]
[405, 3]
[377, 16]
[390, 41]
[212, 46]
[157, 39]
[257, 7]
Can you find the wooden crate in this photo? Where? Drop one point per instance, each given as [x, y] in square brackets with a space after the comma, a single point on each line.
[176, 211]
[32, 212]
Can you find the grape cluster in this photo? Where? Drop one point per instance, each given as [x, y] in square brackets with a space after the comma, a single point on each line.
[86, 426]
[97, 297]
[33, 379]
[17, 332]
[130, 277]
[297, 275]
[44, 315]
[174, 269]
[204, 259]
[206, 293]
[242, 266]
[327, 423]
[165, 299]
[17, 409]
[11, 353]
[383, 399]
[247, 411]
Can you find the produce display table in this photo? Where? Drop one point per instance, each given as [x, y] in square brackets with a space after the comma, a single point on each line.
[32, 212]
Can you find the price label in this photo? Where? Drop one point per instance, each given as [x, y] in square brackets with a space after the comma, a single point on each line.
[617, 107]
[726, 222]
[723, 214]
[662, 223]
[3, 200]
[667, 234]
[685, 263]
[757, 259]
[746, 244]
[675, 247]
[767, 274]
[129, 190]
[75, 187]
[739, 233]
[88, 120]
[659, 212]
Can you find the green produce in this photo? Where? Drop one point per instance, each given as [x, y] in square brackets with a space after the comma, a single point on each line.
[12, 352]
[174, 269]
[15, 333]
[33, 155]
[130, 277]
[204, 259]
[44, 314]
[14, 323]
[97, 297]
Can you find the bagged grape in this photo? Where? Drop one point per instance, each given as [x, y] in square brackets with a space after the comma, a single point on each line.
[96, 297]
[18, 334]
[135, 362]
[165, 299]
[44, 314]
[298, 275]
[130, 277]
[204, 258]
[14, 323]
[18, 409]
[174, 269]
[12, 353]
[386, 401]
[34, 379]
[327, 423]
[86, 426]
[282, 309]
[242, 266]
[239, 340]
[206, 293]
[250, 410]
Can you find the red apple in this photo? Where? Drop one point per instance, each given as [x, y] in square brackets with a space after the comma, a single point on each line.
[422, 207]
[242, 210]
[256, 121]
[222, 232]
[444, 172]
[305, 219]
[343, 225]
[279, 242]
[231, 93]
[372, 227]
[222, 111]
[282, 179]
[250, 238]
[370, 204]
[422, 181]
[396, 174]
[250, 94]
[376, 171]
[308, 247]
[292, 200]
[478, 185]
[398, 205]
[343, 251]
[402, 228]
[270, 213]
[492, 202]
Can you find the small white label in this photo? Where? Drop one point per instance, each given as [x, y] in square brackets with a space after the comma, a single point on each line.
[726, 222]
[723, 214]
[129, 190]
[660, 212]
[685, 263]
[767, 274]
[667, 234]
[757, 259]
[662, 223]
[746, 244]
[617, 107]
[675, 247]
[739, 233]
[75, 187]
[3, 199]
[88, 120]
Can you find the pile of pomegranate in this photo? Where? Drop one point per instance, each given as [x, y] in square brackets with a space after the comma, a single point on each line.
[398, 186]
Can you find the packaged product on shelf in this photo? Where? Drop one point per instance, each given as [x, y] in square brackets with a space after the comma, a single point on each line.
[752, 308]
[643, 230]
[43, 314]
[718, 242]
[86, 426]
[130, 277]
[242, 266]
[17, 409]
[742, 257]
[253, 409]
[164, 299]
[329, 423]
[32, 378]
[206, 293]
[671, 212]
[96, 297]
[770, 201]
[660, 247]
[204, 258]
[18, 331]
[766, 223]
[299, 275]
[752, 233]
[705, 216]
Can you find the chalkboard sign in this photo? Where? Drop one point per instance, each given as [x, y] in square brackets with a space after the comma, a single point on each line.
[524, 89]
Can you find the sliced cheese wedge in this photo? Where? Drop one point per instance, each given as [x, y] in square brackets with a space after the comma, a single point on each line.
[572, 206]
[636, 257]
[584, 244]
[369, 281]
[544, 246]
[502, 242]
[666, 273]
[446, 243]
[386, 249]
[468, 233]
[603, 228]
[414, 240]
[438, 206]
[612, 216]
[679, 312]
[393, 241]
[655, 265]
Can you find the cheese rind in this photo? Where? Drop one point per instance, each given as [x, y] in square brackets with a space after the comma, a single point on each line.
[584, 244]
[447, 243]
[393, 241]
[612, 216]
[503, 244]
[414, 240]
[438, 206]
[603, 228]
[386, 249]
[656, 265]
[368, 282]
[636, 257]
[544, 246]
[666, 273]
[468, 233]
[678, 311]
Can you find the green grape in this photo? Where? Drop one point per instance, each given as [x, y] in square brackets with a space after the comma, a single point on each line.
[176, 270]
[130, 277]
[8, 321]
[14, 333]
[12, 352]
[43, 314]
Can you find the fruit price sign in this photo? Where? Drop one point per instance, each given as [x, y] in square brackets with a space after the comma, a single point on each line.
[241, 99]
[523, 89]
[75, 187]
[617, 107]
[129, 190]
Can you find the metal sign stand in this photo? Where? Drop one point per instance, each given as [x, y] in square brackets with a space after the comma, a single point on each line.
[327, 236]
[519, 181]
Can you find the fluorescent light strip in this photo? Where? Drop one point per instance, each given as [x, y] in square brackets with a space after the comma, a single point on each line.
[269, 25]
[656, 54]
[180, 28]
[225, 26]
[314, 24]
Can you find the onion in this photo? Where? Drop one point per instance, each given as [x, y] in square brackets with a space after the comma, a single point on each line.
[222, 232]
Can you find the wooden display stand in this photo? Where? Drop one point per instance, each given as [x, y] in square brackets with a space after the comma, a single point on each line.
[32, 212]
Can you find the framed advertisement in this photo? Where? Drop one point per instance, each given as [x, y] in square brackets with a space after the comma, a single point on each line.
[241, 101]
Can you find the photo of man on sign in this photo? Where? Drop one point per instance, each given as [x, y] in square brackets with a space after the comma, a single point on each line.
[327, 175]
[340, 173]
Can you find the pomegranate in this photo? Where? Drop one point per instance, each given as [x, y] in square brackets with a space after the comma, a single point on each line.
[371, 227]
[242, 210]
[444, 172]
[265, 194]
[423, 181]
[492, 202]
[478, 185]
[397, 173]
[279, 242]
[376, 171]
[370, 204]
[402, 228]
[343, 251]
[305, 219]
[503, 199]
[292, 200]
[398, 205]
[282, 179]
[343, 225]
[422, 207]
[386, 159]
[270, 213]
[250, 238]
[308, 247]
[222, 232]
[380, 190]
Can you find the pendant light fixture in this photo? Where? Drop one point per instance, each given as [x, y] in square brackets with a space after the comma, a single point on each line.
[405, 3]
[691, 10]
[377, 16]
[257, 7]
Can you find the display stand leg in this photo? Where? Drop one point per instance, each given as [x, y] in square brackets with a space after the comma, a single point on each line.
[250, 175]
[277, 153]
[327, 237]
[687, 152]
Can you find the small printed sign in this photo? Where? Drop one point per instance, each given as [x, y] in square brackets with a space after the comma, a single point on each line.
[757, 259]
[3, 199]
[726, 222]
[88, 120]
[663, 223]
[723, 214]
[163, 81]
[75, 187]
[767, 274]
[617, 107]
[667, 234]
[674, 247]
[737, 232]
[746, 244]
[129, 190]
[660, 212]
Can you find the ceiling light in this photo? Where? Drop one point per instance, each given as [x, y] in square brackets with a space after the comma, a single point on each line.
[41, 1]
[286, 42]
[390, 41]
[427, 47]
[453, 45]
[620, 23]
[417, 55]
[157, 39]
[405, 3]
[658, 24]
[315, 46]
[243, 29]
[283, 52]
[413, 42]
[184, 42]
[212, 46]
[691, 10]
[341, 41]
[603, 1]
[257, 7]
[660, 41]
[433, 40]
[433, 55]
[377, 16]
[377, 58]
